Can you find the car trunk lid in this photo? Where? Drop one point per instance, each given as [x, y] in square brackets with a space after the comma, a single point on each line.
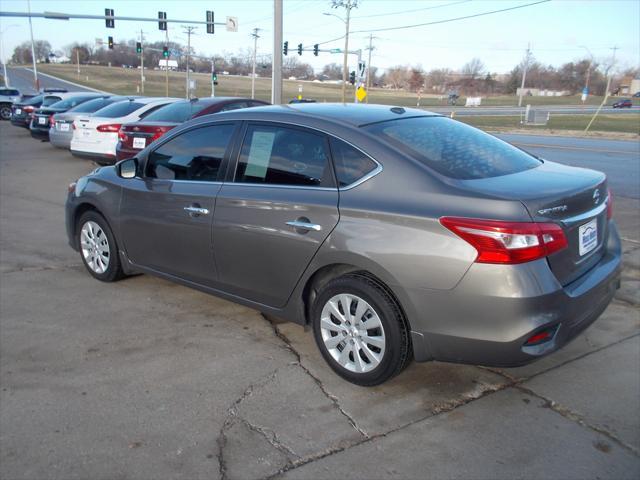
[574, 198]
[138, 135]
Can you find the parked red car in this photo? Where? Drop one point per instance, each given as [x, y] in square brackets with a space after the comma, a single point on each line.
[135, 136]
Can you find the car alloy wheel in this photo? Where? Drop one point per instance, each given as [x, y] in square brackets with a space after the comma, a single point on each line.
[95, 247]
[352, 333]
[5, 112]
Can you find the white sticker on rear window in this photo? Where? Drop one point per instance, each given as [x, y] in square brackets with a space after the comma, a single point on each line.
[259, 154]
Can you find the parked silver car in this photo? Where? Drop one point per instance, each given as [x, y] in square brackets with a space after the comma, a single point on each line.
[61, 131]
[394, 233]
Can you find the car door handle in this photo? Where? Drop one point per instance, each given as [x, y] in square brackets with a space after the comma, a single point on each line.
[195, 211]
[298, 224]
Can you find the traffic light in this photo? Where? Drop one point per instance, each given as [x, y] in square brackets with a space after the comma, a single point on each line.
[214, 78]
[285, 48]
[110, 43]
[165, 51]
[316, 49]
[352, 78]
[109, 22]
[299, 49]
[210, 25]
[162, 16]
[138, 47]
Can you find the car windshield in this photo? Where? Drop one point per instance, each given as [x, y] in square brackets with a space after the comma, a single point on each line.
[120, 109]
[176, 112]
[92, 105]
[50, 100]
[452, 148]
[70, 102]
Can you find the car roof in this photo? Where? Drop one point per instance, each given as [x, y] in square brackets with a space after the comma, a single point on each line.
[146, 100]
[350, 113]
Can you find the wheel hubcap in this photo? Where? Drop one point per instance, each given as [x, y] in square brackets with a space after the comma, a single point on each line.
[352, 333]
[95, 247]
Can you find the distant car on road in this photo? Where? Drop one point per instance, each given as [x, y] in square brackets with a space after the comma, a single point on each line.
[61, 132]
[134, 137]
[302, 100]
[637, 94]
[53, 90]
[96, 136]
[624, 103]
[42, 119]
[393, 233]
[8, 96]
[22, 112]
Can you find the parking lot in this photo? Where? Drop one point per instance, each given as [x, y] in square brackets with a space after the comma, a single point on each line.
[147, 379]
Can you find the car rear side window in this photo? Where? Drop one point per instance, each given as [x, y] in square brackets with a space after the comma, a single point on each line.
[120, 109]
[452, 148]
[284, 156]
[177, 112]
[350, 163]
[70, 102]
[194, 155]
[92, 105]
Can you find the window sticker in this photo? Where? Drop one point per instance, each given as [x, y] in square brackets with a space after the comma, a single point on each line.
[259, 154]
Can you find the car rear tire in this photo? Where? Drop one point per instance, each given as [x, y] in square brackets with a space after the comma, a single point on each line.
[98, 247]
[360, 330]
[5, 112]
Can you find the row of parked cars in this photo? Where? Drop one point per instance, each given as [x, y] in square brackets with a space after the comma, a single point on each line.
[107, 128]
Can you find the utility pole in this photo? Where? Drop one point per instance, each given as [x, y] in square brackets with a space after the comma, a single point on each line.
[276, 76]
[253, 74]
[524, 73]
[606, 92]
[188, 32]
[166, 65]
[141, 61]
[213, 82]
[369, 66]
[33, 51]
[78, 61]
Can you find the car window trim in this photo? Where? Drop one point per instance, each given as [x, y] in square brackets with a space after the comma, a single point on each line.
[225, 159]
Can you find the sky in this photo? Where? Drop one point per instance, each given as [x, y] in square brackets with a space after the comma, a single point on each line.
[558, 31]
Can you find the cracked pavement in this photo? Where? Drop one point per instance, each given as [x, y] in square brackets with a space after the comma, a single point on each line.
[146, 379]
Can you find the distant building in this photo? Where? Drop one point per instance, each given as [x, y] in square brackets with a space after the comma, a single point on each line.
[629, 86]
[539, 92]
[53, 58]
[173, 64]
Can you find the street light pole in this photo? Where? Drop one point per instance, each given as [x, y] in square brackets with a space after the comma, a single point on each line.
[524, 74]
[253, 74]
[276, 75]
[4, 59]
[346, 50]
[586, 83]
[33, 51]
[188, 32]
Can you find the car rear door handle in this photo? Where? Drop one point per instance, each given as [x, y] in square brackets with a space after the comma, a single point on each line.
[195, 210]
[304, 225]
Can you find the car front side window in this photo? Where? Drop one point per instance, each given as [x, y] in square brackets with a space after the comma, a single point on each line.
[194, 155]
[284, 156]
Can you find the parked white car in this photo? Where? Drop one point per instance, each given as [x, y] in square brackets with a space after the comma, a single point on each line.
[7, 97]
[96, 136]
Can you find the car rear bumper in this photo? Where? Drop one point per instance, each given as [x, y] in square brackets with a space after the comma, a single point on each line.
[20, 121]
[60, 139]
[123, 153]
[101, 158]
[40, 133]
[490, 315]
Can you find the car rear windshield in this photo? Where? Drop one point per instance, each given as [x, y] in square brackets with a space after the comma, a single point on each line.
[11, 93]
[70, 102]
[33, 100]
[176, 112]
[50, 100]
[452, 148]
[92, 105]
[119, 109]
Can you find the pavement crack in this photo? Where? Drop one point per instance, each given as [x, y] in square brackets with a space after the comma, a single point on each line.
[270, 436]
[334, 400]
[577, 418]
[42, 268]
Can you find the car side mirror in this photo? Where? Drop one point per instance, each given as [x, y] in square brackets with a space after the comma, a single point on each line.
[127, 168]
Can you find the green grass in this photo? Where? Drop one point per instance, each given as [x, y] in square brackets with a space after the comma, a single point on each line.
[125, 81]
[628, 123]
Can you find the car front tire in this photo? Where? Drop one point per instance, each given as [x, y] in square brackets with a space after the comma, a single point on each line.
[5, 112]
[98, 247]
[360, 330]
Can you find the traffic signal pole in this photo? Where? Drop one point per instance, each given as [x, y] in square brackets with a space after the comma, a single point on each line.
[276, 76]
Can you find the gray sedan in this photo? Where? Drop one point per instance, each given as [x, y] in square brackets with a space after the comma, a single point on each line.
[393, 233]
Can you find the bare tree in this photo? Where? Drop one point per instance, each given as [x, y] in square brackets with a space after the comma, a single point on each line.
[397, 76]
[473, 68]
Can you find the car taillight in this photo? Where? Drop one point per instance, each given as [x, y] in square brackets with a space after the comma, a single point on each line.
[28, 109]
[73, 125]
[160, 131]
[508, 242]
[122, 136]
[609, 205]
[52, 122]
[109, 127]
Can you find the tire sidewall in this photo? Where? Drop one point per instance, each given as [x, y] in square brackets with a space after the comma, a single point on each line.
[2, 109]
[113, 270]
[388, 314]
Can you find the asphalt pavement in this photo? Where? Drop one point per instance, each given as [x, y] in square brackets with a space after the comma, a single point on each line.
[147, 379]
[22, 79]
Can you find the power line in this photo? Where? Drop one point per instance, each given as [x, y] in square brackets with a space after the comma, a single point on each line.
[451, 19]
[411, 11]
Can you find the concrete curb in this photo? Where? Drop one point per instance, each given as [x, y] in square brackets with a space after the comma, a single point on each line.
[70, 83]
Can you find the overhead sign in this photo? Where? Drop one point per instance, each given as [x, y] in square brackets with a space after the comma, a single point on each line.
[232, 24]
[335, 50]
